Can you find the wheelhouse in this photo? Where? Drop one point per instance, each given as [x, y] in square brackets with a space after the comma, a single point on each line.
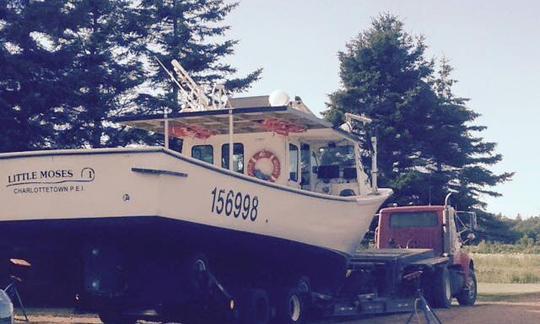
[287, 145]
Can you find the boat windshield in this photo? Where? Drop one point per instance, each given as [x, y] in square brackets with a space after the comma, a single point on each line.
[342, 156]
[336, 162]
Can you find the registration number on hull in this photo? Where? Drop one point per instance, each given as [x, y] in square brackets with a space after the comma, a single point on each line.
[234, 204]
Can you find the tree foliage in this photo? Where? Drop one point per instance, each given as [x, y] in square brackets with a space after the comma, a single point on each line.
[70, 67]
[191, 32]
[30, 75]
[429, 143]
[103, 73]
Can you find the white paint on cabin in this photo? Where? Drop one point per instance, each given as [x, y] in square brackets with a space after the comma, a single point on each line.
[279, 146]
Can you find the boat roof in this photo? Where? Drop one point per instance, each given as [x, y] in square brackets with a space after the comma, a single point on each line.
[246, 120]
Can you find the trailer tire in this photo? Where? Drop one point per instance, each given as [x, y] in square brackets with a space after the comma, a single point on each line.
[441, 294]
[254, 307]
[291, 306]
[467, 296]
[194, 269]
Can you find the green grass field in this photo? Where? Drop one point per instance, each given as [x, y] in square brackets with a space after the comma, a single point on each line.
[507, 268]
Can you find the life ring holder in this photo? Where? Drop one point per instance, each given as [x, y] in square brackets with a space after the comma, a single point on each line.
[264, 154]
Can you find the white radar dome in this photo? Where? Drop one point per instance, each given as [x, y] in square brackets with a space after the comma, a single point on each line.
[279, 98]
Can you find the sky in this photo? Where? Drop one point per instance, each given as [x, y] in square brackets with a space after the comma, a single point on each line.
[493, 46]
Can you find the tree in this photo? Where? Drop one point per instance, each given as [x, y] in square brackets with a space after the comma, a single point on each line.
[103, 74]
[30, 74]
[458, 149]
[428, 143]
[69, 67]
[496, 228]
[192, 33]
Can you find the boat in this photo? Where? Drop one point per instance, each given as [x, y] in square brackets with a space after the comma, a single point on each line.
[259, 185]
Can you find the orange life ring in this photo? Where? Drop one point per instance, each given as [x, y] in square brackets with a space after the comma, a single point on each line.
[264, 154]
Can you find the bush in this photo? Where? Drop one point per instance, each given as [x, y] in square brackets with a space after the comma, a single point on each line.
[526, 245]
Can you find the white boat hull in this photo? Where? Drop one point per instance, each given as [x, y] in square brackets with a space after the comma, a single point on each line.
[79, 184]
[82, 184]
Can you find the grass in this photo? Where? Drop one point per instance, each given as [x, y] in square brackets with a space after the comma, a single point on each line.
[489, 292]
[507, 268]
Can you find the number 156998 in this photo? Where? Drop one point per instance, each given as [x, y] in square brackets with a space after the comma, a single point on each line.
[236, 204]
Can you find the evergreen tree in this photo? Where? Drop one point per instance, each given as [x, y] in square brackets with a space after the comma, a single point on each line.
[492, 228]
[428, 144]
[458, 149]
[103, 74]
[193, 33]
[69, 67]
[30, 74]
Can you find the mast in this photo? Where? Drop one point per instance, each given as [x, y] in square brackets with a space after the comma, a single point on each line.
[358, 163]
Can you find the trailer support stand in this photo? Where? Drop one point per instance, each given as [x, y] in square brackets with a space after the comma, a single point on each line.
[12, 288]
[420, 303]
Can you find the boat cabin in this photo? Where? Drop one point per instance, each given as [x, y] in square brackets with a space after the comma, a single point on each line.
[287, 145]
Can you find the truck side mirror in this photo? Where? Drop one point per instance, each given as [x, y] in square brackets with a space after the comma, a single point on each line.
[470, 237]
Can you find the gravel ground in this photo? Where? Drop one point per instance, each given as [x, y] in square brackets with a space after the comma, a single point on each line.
[522, 308]
[527, 311]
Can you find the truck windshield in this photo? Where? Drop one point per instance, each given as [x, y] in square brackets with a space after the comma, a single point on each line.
[414, 219]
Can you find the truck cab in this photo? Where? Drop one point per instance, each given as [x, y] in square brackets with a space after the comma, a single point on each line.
[442, 229]
[411, 227]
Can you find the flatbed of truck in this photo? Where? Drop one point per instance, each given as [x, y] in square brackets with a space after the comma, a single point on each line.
[409, 256]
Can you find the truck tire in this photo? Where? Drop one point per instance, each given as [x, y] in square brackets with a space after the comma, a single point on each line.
[441, 294]
[254, 307]
[467, 296]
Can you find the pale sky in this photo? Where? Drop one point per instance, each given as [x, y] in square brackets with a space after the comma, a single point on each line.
[493, 46]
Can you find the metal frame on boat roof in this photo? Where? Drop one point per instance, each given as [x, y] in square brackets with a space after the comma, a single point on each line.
[246, 120]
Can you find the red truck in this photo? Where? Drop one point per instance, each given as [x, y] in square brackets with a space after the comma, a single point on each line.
[445, 231]
[417, 249]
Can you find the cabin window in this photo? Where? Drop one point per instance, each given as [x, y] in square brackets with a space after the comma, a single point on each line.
[335, 159]
[305, 164]
[176, 144]
[203, 152]
[293, 162]
[238, 157]
[342, 156]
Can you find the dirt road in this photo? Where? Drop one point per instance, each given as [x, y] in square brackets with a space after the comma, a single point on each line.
[489, 312]
[484, 312]
[499, 303]
[506, 309]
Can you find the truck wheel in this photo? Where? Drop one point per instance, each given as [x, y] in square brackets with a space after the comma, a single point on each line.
[467, 296]
[254, 307]
[441, 296]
